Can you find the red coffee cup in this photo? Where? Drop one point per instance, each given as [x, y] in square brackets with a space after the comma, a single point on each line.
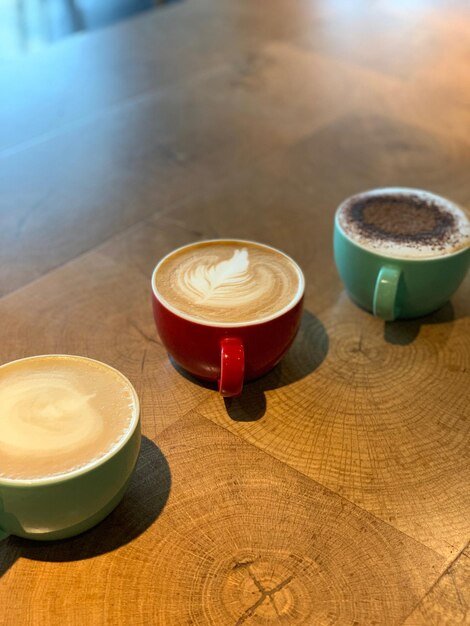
[229, 353]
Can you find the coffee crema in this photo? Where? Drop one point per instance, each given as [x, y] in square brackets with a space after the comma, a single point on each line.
[404, 223]
[59, 414]
[228, 281]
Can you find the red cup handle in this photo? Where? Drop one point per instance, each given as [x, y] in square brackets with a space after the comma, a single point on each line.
[232, 367]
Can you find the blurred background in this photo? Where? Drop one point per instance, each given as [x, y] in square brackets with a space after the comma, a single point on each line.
[27, 26]
[118, 111]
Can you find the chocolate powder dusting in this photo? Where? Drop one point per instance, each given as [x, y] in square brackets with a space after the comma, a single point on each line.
[411, 220]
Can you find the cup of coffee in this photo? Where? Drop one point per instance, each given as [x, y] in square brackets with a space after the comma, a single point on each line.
[227, 310]
[69, 441]
[400, 252]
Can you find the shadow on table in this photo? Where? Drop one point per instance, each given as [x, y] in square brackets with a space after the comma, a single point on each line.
[306, 353]
[142, 504]
[304, 356]
[404, 332]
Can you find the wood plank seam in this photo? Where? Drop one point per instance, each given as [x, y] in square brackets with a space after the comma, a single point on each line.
[445, 572]
[151, 95]
[317, 483]
[160, 213]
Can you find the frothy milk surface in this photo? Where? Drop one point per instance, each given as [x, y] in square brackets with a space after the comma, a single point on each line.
[60, 413]
[228, 281]
[405, 223]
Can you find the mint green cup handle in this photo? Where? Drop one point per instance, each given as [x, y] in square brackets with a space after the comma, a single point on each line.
[385, 293]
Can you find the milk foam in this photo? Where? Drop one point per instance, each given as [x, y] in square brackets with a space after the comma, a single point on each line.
[46, 416]
[228, 281]
[220, 284]
[458, 238]
[60, 413]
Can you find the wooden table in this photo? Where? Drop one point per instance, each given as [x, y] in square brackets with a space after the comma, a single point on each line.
[336, 490]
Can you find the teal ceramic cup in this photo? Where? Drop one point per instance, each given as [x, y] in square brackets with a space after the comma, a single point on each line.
[392, 287]
[61, 506]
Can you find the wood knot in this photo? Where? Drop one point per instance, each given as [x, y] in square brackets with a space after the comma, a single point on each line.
[269, 588]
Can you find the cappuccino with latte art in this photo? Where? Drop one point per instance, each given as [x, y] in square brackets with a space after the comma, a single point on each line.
[59, 414]
[228, 282]
[227, 310]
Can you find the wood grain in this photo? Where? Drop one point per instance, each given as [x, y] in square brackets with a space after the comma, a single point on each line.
[369, 422]
[243, 539]
[448, 600]
[99, 308]
[88, 76]
[335, 490]
[371, 416]
[152, 154]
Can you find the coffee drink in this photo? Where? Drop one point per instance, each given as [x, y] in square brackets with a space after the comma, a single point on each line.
[404, 223]
[228, 282]
[61, 413]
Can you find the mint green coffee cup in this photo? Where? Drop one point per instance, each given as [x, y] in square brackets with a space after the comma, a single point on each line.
[58, 504]
[403, 277]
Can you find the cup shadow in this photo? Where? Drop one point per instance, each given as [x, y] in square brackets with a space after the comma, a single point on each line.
[404, 332]
[306, 354]
[143, 502]
[308, 351]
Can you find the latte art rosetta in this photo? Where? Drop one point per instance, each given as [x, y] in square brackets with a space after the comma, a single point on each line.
[228, 281]
[224, 283]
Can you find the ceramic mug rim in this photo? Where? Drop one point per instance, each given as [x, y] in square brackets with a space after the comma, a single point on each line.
[390, 257]
[212, 324]
[66, 476]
